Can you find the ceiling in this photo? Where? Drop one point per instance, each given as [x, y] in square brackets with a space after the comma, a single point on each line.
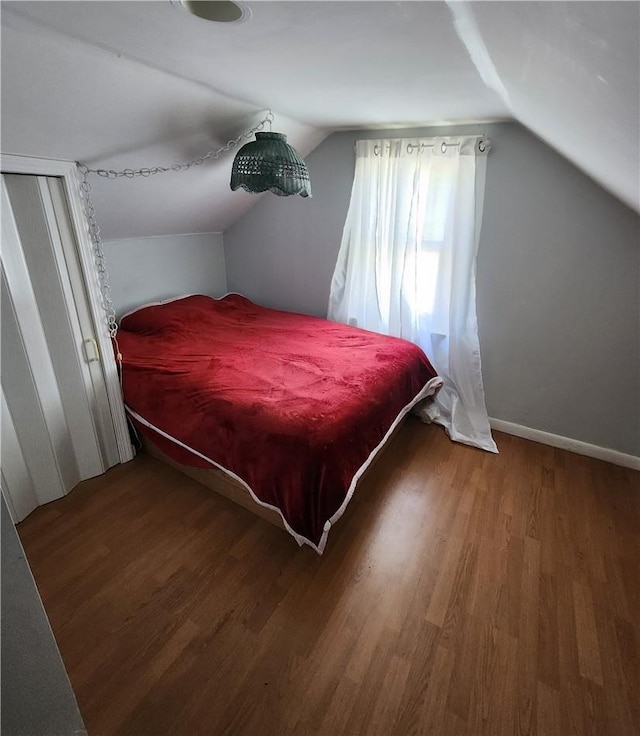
[142, 84]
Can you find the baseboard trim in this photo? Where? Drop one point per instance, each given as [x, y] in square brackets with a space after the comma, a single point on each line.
[566, 443]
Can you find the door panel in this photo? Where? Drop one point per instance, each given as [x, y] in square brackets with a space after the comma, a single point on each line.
[15, 473]
[44, 379]
[72, 284]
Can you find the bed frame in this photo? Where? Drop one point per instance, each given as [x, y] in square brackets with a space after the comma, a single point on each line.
[218, 481]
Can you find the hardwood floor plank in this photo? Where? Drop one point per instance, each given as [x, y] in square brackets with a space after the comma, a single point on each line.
[433, 714]
[466, 663]
[587, 636]
[424, 640]
[461, 593]
[621, 695]
[439, 602]
[629, 649]
[548, 669]
[548, 711]
[493, 677]
[527, 640]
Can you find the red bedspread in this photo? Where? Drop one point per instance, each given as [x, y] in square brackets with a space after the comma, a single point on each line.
[292, 405]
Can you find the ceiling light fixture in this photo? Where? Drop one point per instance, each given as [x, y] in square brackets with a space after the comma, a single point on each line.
[222, 11]
[270, 164]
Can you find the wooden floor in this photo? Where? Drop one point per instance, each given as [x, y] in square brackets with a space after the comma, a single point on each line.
[461, 593]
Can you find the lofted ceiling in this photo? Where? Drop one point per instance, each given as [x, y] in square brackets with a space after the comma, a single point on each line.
[141, 84]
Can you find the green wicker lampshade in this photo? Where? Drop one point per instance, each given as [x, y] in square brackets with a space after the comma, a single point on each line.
[270, 164]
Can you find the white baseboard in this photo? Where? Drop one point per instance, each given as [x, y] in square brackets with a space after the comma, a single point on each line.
[566, 443]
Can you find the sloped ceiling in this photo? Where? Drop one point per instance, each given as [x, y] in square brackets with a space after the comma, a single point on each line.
[141, 84]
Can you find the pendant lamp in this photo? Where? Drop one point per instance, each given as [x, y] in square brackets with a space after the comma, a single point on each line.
[270, 164]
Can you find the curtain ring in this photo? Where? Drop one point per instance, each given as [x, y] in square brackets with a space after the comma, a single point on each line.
[481, 146]
[443, 147]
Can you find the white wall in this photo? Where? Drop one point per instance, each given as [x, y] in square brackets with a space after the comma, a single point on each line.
[557, 284]
[144, 270]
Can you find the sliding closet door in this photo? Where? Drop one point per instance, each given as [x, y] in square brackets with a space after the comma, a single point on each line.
[54, 431]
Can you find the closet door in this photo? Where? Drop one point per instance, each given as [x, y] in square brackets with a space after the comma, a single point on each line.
[55, 432]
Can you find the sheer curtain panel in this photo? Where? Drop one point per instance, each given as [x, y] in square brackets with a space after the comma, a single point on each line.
[407, 263]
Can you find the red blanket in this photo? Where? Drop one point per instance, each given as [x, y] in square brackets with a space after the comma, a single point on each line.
[293, 405]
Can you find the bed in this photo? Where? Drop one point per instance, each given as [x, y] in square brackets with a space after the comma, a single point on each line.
[290, 409]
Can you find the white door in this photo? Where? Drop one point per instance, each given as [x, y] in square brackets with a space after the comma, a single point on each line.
[56, 425]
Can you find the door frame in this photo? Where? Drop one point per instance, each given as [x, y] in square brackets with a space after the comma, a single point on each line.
[67, 171]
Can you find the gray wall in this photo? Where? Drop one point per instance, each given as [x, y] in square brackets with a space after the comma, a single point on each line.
[151, 269]
[36, 693]
[557, 286]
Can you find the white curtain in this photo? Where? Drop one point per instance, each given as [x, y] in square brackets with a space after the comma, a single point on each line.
[407, 263]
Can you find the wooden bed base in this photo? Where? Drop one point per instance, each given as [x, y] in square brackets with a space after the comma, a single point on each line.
[218, 481]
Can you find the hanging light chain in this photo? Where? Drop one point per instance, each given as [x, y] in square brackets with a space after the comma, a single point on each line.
[210, 156]
[98, 253]
[94, 228]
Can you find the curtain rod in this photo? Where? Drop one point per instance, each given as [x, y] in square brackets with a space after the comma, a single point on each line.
[482, 146]
[444, 145]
